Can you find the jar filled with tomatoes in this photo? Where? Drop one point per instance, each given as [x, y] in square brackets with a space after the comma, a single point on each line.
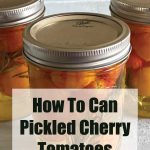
[136, 14]
[77, 51]
[14, 17]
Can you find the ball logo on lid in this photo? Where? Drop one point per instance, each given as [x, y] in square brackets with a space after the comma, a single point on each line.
[83, 23]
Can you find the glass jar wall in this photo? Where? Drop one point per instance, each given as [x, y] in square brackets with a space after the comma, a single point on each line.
[111, 77]
[13, 68]
[138, 66]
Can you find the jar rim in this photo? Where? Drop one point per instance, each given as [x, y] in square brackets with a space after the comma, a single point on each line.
[21, 14]
[131, 10]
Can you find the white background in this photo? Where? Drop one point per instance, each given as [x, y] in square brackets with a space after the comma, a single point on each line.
[60, 6]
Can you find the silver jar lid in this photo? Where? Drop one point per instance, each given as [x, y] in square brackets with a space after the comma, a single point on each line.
[77, 41]
[134, 10]
[14, 12]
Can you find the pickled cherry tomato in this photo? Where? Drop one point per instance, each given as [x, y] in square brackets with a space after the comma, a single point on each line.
[72, 79]
[40, 78]
[141, 44]
[101, 78]
[134, 62]
[11, 38]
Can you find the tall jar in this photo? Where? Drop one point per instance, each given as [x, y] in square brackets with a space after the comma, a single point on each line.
[136, 14]
[15, 15]
[77, 51]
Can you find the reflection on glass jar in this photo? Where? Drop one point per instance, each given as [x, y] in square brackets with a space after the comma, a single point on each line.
[77, 51]
[13, 68]
[138, 66]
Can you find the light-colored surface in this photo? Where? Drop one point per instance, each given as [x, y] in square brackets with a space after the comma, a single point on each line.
[125, 104]
[5, 136]
[144, 134]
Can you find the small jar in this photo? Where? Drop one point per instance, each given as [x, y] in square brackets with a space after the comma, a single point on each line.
[77, 51]
[15, 15]
[136, 14]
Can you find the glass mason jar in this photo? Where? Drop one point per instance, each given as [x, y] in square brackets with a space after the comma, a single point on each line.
[14, 17]
[136, 14]
[77, 51]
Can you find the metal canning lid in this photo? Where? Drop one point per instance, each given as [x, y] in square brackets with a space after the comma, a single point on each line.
[14, 12]
[77, 41]
[134, 10]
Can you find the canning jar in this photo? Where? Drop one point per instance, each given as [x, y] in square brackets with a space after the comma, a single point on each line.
[14, 17]
[136, 14]
[77, 51]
